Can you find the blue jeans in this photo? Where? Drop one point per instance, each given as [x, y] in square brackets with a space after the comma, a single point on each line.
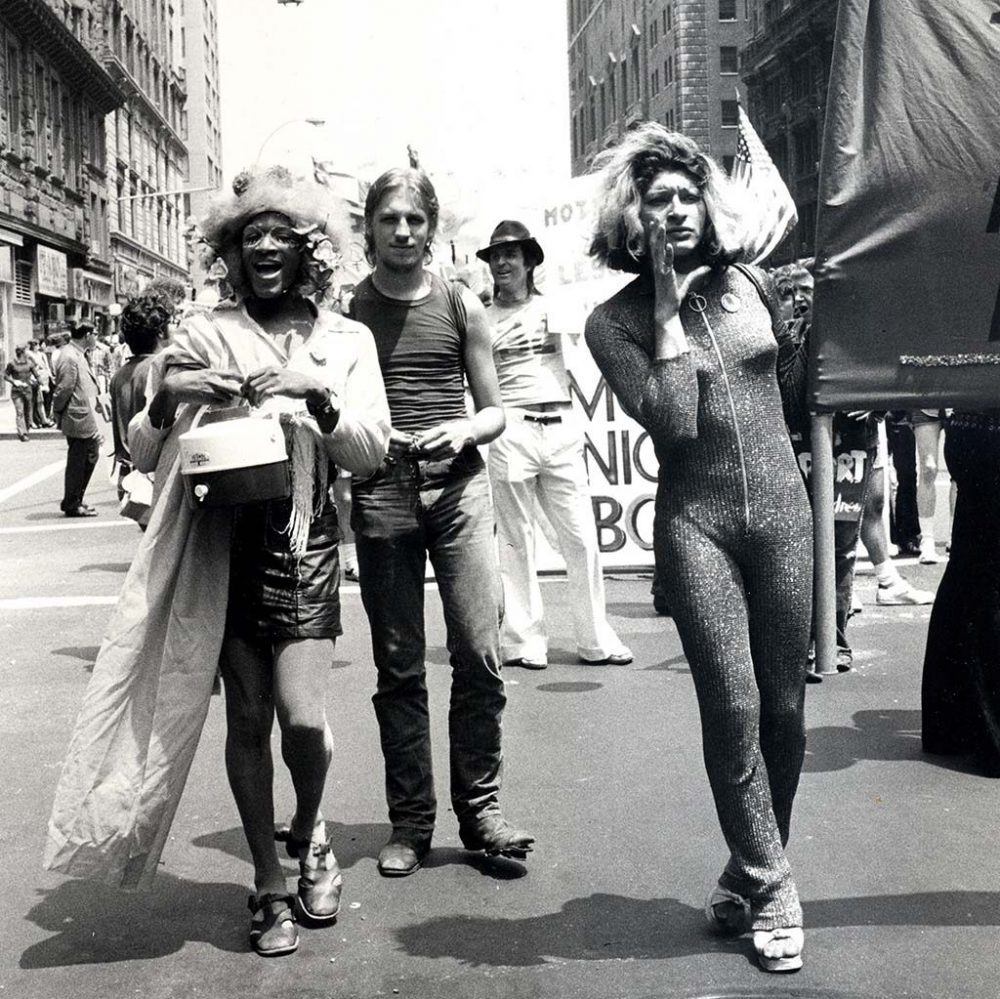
[408, 510]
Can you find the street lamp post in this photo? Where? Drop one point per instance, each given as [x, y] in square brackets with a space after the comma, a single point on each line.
[315, 122]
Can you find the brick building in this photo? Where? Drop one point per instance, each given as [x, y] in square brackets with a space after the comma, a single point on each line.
[147, 150]
[200, 54]
[786, 68]
[671, 61]
[55, 250]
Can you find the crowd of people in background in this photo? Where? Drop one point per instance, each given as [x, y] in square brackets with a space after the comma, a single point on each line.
[386, 411]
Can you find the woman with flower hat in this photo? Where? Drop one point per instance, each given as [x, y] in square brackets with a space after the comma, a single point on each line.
[251, 588]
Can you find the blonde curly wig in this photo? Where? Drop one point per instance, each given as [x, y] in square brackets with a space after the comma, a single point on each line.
[626, 172]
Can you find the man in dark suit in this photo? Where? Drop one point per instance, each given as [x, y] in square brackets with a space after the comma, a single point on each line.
[74, 406]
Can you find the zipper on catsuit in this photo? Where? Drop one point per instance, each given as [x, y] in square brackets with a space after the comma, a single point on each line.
[698, 304]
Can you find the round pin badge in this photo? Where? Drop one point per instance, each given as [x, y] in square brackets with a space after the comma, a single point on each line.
[730, 302]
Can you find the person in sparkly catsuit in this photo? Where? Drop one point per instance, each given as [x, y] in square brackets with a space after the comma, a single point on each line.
[690, 348]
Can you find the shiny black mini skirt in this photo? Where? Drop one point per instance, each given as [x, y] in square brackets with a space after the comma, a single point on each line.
[274, 596]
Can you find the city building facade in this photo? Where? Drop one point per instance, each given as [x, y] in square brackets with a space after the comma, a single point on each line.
[671, 61]
[199, 39]
[55, 248]
[147, 149]
[785, 67]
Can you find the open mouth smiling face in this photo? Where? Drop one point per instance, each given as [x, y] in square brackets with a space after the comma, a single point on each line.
[271, 254]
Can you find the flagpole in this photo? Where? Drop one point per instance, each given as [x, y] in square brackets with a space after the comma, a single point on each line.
[824, 575]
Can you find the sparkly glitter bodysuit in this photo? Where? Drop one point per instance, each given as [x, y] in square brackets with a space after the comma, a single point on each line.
[733, 526]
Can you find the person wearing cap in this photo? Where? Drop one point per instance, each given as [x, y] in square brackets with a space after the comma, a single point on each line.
[538, 462]
[250, 588]
[75, 401]
[431, 499]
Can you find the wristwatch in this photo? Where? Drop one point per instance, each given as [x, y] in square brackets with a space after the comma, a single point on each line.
[325, 413]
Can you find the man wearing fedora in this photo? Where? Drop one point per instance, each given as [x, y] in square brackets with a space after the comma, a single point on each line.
[74, 406]
[538, 463]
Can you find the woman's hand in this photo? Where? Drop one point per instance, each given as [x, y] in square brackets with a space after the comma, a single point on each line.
[445, 440]
[669, 291]
[266, 382]
[202, 385]
[197, 385]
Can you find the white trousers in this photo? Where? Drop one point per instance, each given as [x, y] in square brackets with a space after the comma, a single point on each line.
[534, 463]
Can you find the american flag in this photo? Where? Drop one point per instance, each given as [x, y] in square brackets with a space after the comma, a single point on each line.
[772, 208]
[344, 185]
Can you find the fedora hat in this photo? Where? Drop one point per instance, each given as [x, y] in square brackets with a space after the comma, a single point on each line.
[508, 232]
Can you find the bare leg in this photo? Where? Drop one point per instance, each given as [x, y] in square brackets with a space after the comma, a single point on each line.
[301, 671]
[348, 546]
[872, 525]
[246, 670]
[928, 438]
[892, 588]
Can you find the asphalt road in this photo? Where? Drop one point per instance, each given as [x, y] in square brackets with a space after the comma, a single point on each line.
[895, 854]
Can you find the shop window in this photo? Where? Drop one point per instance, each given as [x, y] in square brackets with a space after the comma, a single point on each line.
[23, 294]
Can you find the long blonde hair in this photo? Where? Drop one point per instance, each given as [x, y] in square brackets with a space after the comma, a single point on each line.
[629, 168]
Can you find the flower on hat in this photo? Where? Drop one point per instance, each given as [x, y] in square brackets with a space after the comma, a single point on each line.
[316, 214]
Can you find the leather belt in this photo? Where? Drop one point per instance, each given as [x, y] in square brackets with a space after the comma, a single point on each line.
[543, 418]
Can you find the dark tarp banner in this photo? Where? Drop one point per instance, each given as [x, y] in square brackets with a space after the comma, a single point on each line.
[907, 302]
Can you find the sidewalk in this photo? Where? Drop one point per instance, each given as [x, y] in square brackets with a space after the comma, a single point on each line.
[8, 424]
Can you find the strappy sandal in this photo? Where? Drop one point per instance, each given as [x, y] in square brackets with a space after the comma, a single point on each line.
[272, 929]
[496, 837]
[727, 912]
[784, 961]
[320, 881]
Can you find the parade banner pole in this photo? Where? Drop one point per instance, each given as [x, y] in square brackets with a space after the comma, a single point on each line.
[824, 583]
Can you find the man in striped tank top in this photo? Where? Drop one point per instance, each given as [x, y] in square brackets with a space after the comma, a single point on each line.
[431, 498]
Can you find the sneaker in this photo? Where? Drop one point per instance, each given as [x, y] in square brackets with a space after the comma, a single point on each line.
[845, 660]
[901, 593]
[929, 556]
[621, 658]
[526, 663]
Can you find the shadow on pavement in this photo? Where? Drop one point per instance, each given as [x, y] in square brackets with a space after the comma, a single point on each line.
[121, 567]
[634, 610]
[351, 843]
[498, 868]
[95, 924]
[88, 653]
[603, 927]
[361, 842]
[889, 736]
[892, 736]
[600, 927]
[569, 687]
[676, 664]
